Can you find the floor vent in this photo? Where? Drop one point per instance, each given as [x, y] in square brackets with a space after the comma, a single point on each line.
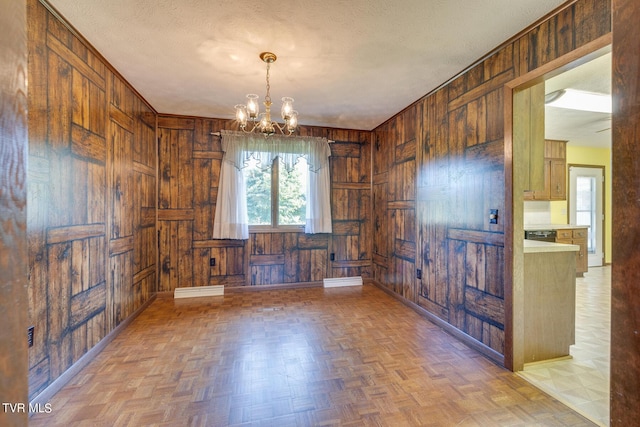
[343, 281]
[199, 291]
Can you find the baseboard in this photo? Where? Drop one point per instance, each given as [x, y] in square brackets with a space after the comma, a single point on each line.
[540, 362]
[258, 288]
[342, 281]
[47, 394]
[490, 353]
[199, 291]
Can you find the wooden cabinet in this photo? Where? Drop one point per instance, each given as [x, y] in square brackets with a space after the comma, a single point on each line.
[576, 236]
[556, 174]
[528, 134]
[554, 171]
[549, 305]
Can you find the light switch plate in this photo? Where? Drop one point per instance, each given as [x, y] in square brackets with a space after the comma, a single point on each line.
[493, 216]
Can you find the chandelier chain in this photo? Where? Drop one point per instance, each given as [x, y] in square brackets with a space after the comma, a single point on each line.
[267, 98]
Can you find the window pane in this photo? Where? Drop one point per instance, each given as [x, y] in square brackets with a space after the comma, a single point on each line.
[586, 208]
[583, 218]
[291, 199]
[584, 188]
[258, 184]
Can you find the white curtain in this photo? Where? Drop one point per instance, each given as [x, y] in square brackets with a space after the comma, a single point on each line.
[318, 215]
[231, 205]
[231, 220]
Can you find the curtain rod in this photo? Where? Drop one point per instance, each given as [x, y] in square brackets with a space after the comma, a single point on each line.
[330, 141]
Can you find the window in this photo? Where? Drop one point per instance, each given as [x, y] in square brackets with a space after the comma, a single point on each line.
[276, 183]
[586, 208]
[276, 197]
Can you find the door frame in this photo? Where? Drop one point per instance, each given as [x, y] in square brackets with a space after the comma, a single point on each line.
[603, 199]
[514, 202]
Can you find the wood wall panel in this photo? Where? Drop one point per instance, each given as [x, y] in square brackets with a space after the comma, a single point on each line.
[90, 228]
[394, 191]
[625, 275]
[131, 175]
[438, 168]
[350, 241]
[13, 210]
[189, 166]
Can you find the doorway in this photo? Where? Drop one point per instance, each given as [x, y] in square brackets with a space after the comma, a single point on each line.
[517, 122]
[586, 204]
[582, 153]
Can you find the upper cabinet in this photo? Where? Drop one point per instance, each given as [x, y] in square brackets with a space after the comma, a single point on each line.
[554, 170]
[544, 169]
[528, 133]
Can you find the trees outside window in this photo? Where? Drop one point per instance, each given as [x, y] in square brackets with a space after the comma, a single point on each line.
[276, 196]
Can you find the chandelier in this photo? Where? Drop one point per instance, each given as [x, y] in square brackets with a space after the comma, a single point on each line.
[261, 122]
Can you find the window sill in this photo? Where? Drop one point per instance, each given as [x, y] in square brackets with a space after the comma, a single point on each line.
[279, 229]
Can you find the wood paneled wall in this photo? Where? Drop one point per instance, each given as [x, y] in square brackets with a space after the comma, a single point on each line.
[13, 210]
[625, 291]
[394, 207]
[438, 169]
[91, 198]
[190, 160]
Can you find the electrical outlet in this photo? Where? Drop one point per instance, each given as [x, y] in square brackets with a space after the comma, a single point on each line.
[332, 257]
[212, 262]
[30, 335]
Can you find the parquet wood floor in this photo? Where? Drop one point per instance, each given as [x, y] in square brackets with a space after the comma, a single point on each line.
[300, 357]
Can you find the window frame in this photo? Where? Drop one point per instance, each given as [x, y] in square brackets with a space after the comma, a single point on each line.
[275, 227]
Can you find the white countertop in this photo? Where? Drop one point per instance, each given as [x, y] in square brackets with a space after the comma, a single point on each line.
[534, 227]
[537, 246]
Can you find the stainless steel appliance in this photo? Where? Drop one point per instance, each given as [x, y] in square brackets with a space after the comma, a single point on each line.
[544, 235]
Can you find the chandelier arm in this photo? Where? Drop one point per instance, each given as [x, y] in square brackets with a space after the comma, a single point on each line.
[256, 125]
[276, 124]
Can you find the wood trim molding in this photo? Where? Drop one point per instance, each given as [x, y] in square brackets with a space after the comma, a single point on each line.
[257, 288]
[578, 56]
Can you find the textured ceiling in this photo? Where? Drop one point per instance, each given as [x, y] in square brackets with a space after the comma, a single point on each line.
[581, 128]
[348, 63]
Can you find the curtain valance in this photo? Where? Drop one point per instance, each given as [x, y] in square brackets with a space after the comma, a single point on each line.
[231, 219]
[240, 147]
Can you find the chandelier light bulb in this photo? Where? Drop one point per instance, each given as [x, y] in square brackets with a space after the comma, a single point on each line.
[266, 125]
[241, 114]
[287, 107]
[264, 121]
[253, 107]
[292, 122]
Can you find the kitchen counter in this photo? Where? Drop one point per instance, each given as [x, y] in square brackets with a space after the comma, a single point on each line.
[537, 246]
[570, 234]
[534, 227]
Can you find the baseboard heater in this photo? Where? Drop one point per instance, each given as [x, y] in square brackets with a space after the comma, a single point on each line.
[199, 291]
[342, 281]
